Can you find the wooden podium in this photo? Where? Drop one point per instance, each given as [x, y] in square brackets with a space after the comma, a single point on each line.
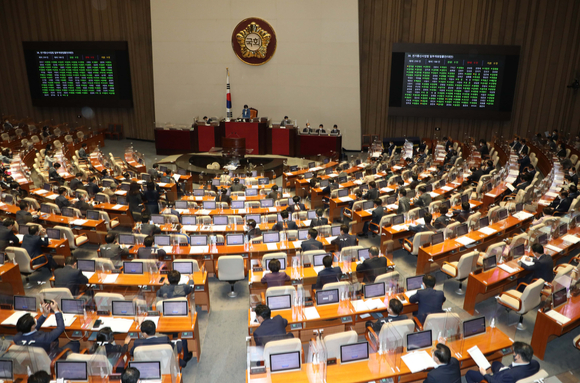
[234, 147]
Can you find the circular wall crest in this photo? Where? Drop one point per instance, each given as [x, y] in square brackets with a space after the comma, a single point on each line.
[254, 41]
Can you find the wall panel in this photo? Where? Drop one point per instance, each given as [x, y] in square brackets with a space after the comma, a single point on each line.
[548, 32]
[78, 20]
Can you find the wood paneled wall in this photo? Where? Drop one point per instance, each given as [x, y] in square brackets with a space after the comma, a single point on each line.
[78, 20]
[548, 32]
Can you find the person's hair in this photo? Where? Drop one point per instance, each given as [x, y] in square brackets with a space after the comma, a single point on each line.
[274, 265]
[358, 194]
[538, 248]
[22, 205]
[489, 163]
[173, 277]
[313, 233]
[422, 189]
[465, 206]
[134, 188]
[275, 188]
[374, 251]
[396, 306]
[148, 241]
[444, 138]
[145, 217]
[263, 311]
[285, 117]
[224, 191]
[252, 223]
[8, 222]
[245, 106]
[25, 323]
[83, 145]
[321, 126]
[524, 350]
[572, 189]
[150, 186]
[372, 184]
[327, 261]
[148, 327]
[130, 375]
[156, 230]
[105, 335]
[81, 174]
[403, 192]
[70, 260]
[442, 353]
[443, 210]
[32, 229]
[344, 229]
[56, 165]
[429, 280]
[428, 217]
[335, 126]
[91, 179]
[296, 199]
[40, 377]
[61, 190]
[284, 214]
[110, 237]
[564, 193]
[319, 212]
[378, 202]
[236, 180]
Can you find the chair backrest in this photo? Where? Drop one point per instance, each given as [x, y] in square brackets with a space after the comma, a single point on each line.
[103, 300]
[532, 296]
[341, 286]
[276, 255]
[496, 248]
[421, 239]
[538, 376]
[195, 265]
[440, 323]
[349, 252]
[53, 206]
[231, 268]
[95, 362]
[21, 257]
[387, 277]
[68, 234]
[56, 294]
[386, 221]
[104, 263]
[334, 341]
[163, 353]
[473, 219]
[402, 327]
[466, 264]
[159, 304]
[308, 255]
[280, 346]
[28, 357]
[281, 290]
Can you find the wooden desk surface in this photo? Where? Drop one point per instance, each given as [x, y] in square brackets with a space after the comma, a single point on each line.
[233, 197]
[265, 210]
[314, 169]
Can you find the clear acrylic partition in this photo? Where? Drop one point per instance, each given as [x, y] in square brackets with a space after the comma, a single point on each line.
[562, 281]
[99, 365]
[394, 284]
[391, 347]
[504, 320]
[317, 360]
[497, 251]
[24, 361]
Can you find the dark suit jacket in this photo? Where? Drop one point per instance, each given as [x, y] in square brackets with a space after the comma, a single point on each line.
[513, 374]
[71, 278]
[542, 268]
[7, 238]
[292, 208]
[312, 244]
[448, 373]
[424, 200]
[327, 275]
[372, 267]
[271, 329]
[475, 176]
[223, 198]
[146, 253]
[23, 217]
[93, 188]
[161, 339]
[344, 240]
[40, 338]
[256, 232]
[33, 244]
[372, 194]
[274, 195]
[237, 187]
[275, 279]
[377, 214]
[318, 222]
[430, 302]
[279, 226]
[175, 291]
[441, 222]
[75, 183]
[462, 216]
[564, 205]
[524, 162]
[82, 206]
[147, 228]
[113, 252]
[61, 201]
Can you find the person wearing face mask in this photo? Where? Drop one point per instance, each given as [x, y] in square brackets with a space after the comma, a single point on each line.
[483, 149]
[447, 369]
[61, 201]
[522, 367]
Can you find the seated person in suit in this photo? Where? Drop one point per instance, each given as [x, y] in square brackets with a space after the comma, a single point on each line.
[443, 220]
[154, 172]
[376, 216]
[223, 196]
[424, 199]
[148, 252]
[172, 288]
[225, 177]
[404, 201]
[236, 186]
[320, 129]
[426, 227]
[274, 193]
[146, 227]
[33, 243]
[542, 266]
[112, 250]
[285, 224]
[82, 204]
[319, 220]
[358, 197]
[253, 230]
[327, 275]
[464, 214]
[447, 369]
[43, 377]
[394, 309]
[29, 333]
[106, 339]
[245, 113]
[344, 239]
[285, 121]
[335, 129]
[307, 128]
[148, 330]
[270, 328]
[559, 205]
[372, 266]
[430, 300]
[69, 276]
[7, 237]
[522, 367]
[83, 155]
[414, 183]
[53, 174]
[311, 243]
[373, 192]
[92, 187]
[61, 201]
[23, 216]
[275, 277]
[476, 174]
[76, 182]
[298, 206]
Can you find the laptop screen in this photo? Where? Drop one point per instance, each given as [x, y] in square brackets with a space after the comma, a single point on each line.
[489, 262]
[162, 240]
[121, 200]
[220, 220]
[317, 259]
[67, 212]
[147, 370]
[158, 219]
[483, 222]
[335, 230]
[559, 297]
[188, 220]
[127, 239]
[209, 205]
[367, 205]
[198, 192]
[123, 308]
[325, 297]
[461, 229]
[271, 237]
[286, 361]
[374, 290]
[282, 263]
[181, 204]
[279, 302]
[518, 251]
[6, 369]
[255, 217]
[198, 240]
[267, 202]
[72, 306]
[73, 371]
[502, 214]
[342, 193]
[24, 303]
[302, 234]
[183, 267]
[354, 352]
[100, 198]
[86, 265]
[263, 181]
[311, 214]
[419, 340]
[175, 308]
[414, 283]
[237, 204]
[474, 327]
[436, 239]
[133, 267]
[398, 219]
[363, 254]
[234, 239]
[93, 214]
[45, 209]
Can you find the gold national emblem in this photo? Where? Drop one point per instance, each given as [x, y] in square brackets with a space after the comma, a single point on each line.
[254, 41]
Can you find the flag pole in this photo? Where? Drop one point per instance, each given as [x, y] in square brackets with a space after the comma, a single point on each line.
[228, 97]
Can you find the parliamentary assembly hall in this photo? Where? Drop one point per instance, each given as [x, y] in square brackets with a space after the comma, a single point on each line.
[289, 191]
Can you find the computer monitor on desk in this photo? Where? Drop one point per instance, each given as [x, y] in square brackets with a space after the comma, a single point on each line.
[398, 219]
[324, 183]
[209, 205]
[285, 361]
[198, 240]
[461, 230]
[489, 262]
[6, 369]
[335, 230]
[127, 239]
[122, 200]
[93, 215]
[158, 219]
[419, 340]
[374, 290]
[326, 297]
[251, 192]
[220, 220]
[188, 220]
[473, 327]
[147, 370]
[354, 352]
[72, 306]
[122, 308]
[559, 297]
[263, 181]
[279, 302]
[183, 267]
[72, 371]
[162, 240]
[24, 303]
[86, 265]
[317, 259]
[266, 202]
[363, 254]
[311, 214]
[53, 233]
[281, 260]
[133, 267]
[414, 283]
[518, 251]
[175, 308]
[342, 193]
[271, 237]
[198, 192]
[234, 239]
[437, 238]
[368, 205]
[255, 217]
[237, 204]
[181, 205]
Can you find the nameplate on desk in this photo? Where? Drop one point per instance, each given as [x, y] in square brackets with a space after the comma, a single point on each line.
[296, 326]
[347, 319]
[199, 288]
[187, 335]
[103, 312]
[256, 269]
[307, 265]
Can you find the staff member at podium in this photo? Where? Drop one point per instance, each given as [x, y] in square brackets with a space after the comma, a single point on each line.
[285, 121]
[307, 129]
[246, 113]
[320, 129]
[335, 129]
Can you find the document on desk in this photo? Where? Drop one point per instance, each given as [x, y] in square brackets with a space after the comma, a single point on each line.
[111, 278]
[478, 357]
[374, 304]
[400, 227]
[558, 317]
[241, 211]
[410, 293]
[318, 269]
[167, 249]
[554, 248]
[392, 206]
[418, 361]
[189, 227]
[162, 184]
[272, 246]
[487, 230]
[571, 238]
[121, 325]
[41, 191]
[397, 167]
[198, 249]
[311, 313]
[117, 207]
[330, 239]
[359, 305]
[204, 211]
[306, 222]
[552, 194]
[79, 222]
[446, 188]
[182, 211]
[510, 186]
[544, 202]
[88, 274]
[297, 244]
[68, 319]
[522, 215]
[219, 227]
[465, 240]
[434, 195]
[506, 268]
[345, 199]
[420, 221]
[121, 192]
[13, 319]
[54, 196]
